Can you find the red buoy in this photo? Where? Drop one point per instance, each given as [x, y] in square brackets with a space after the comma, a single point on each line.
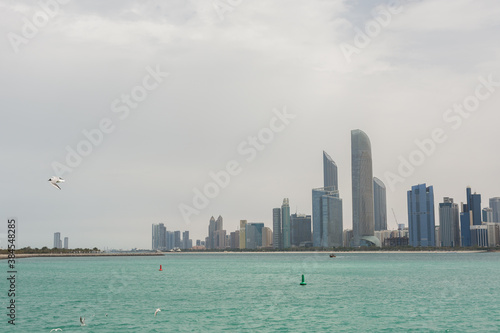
[160, 268]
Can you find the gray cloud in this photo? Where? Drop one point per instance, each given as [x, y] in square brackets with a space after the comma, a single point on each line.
[225, 78]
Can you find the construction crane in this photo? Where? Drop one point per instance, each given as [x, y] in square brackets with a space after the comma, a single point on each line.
[397, 224]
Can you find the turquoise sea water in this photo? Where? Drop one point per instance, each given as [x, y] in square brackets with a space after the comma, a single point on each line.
[377, 292]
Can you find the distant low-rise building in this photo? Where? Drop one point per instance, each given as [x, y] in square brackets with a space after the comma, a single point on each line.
[493, 233]
[495, 207]
[234, 239]
[479, 235]
[487, 214]
[253, 234]
[267, 237]
[347, 238]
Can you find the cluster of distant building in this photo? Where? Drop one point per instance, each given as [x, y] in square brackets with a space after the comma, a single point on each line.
[58, 243]
[163, 240]
[464, 225]
[472, 226]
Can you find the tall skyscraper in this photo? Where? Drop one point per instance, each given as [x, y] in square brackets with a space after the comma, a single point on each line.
[363, 222]
[465, 224]
[330, 175]
[327, 208]
[476, 209]
[177, 239]
[159, 237]
[285, 221]
[170, 240]
[211, 232]
[379, 204]
[474, 205]
[487, 214]
[327, 217]
[218, 224]
[66, 240]
[277, 234]
[300, 225]
[421, 222]
[215, 228]
[470, 215]
[253, 232]
[449, 223]
[243, 240]
[57, 239]
[186, 242]
[495, 206]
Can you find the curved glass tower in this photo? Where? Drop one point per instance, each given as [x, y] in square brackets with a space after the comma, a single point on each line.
[362, 188]
[330, 175]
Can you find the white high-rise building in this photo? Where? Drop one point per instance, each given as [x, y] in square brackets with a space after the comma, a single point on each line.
[449, 223]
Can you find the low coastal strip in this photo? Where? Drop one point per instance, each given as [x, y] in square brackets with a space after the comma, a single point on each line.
[111, 254]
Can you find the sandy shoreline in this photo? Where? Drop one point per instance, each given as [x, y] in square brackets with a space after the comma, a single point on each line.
[32, 255]
[326, 252]
[54, 255]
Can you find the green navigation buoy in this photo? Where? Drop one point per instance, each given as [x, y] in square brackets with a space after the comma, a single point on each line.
[303, 283]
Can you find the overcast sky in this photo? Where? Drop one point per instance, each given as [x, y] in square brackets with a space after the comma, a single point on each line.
[393, 70]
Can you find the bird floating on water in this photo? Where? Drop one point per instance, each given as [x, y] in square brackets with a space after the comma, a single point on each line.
[82, 321]
[157, 310]
[54, 180]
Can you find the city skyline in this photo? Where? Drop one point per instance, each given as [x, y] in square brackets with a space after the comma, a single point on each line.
[330, 177]
[145, 108]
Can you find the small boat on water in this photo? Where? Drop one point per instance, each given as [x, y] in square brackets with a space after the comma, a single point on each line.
[332, 255]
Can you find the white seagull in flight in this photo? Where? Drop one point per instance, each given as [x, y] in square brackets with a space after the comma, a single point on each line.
[82, 321]
[55, 329]
[157, 310]
[54, 180]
